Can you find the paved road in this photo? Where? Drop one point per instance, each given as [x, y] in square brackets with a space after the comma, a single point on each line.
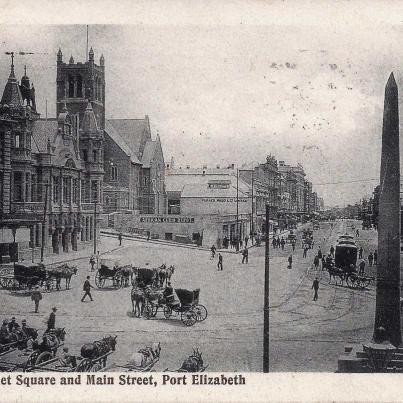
[305, 335]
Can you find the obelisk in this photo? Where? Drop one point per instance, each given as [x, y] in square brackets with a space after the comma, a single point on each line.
[387, 314]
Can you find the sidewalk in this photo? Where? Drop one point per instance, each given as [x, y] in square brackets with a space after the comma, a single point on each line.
[109, 232]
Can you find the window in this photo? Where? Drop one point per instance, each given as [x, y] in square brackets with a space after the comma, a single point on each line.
[95, 155]
[85, 155]
[17, 140]
[17, 186]
[79, 86]
[114, 173]
[75, 190]
[56, 189]
[83, 191]
[66, 190]
[2, 147]
[174, 206]
[27, 186]
[94, 191]
[71, 87]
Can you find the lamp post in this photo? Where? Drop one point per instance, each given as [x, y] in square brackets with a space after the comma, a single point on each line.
[266, 316]
[45, 205]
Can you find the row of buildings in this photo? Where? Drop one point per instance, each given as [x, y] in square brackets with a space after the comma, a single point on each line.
[62, 178]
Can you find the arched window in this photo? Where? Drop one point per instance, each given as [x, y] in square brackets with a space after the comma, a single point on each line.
[100, 89]
[96, 88]
[71, 87]
[114, 173]
[79, 86]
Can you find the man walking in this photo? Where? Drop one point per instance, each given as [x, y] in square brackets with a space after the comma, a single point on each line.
[219, 264]
[319, 253]
[120, 239]
[315, 286]
[357, 233]
[246, 241]
[360, 253]
[213, 249]
[316, 262]
[293, 245]
[92, 262]
[52, 320]
[375, 258]
[282, 243]
[245, 256]
[36, 296]
[87, 288]
[305, 251]
[332, 251]
[370, 258]
[290, 262]
[361, 266]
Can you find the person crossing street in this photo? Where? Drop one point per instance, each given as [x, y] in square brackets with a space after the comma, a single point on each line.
[315, 287]
[219, 264]
[245, 256]
[87, 289]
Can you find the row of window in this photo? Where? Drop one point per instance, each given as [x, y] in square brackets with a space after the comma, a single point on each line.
[76, 89]
[96, 156]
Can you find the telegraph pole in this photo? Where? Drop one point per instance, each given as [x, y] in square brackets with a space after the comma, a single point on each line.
[252, 226]
[45, 205]
[266, 332]
[237, 210]
[95, 226]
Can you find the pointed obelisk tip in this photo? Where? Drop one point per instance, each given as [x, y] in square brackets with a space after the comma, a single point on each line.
[391, 81]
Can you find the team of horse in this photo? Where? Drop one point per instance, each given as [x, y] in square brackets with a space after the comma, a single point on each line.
[99, 348]
[62, 272]
[145, 356]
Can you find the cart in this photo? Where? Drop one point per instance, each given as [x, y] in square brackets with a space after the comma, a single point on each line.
[109, 270]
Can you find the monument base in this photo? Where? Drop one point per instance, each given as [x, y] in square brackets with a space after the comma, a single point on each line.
[355, 360]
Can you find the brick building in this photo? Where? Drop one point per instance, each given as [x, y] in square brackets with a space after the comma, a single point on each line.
[56, 161]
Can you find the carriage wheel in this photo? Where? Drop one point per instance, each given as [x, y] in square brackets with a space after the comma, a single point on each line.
[365, 282]
[82, 365]
[99, 282]
[150, 310]
[188, 317]
[200, 312]
[43, 357]
[31, 360]
[352, 281]
[167, 312]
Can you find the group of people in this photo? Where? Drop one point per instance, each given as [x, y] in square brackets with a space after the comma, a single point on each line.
[11, 326]
[235, 242]
[279, 243]
[372, 257]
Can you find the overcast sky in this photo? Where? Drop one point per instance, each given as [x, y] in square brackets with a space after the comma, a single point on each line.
[305, 85]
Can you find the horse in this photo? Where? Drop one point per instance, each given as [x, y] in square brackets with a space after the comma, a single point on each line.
[98, 348]
[127, 275]
[52, 340]
[164, 274]
[336, 272]
[64, 271]
[145, 356]
[194, 363]
[138, 301]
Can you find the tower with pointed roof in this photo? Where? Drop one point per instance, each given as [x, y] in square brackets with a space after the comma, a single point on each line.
[78, 83]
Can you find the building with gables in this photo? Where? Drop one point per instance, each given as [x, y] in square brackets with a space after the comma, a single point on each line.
[51, 170]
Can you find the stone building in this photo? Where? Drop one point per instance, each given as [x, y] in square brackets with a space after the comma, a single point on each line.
[134, 167]
[52, 166]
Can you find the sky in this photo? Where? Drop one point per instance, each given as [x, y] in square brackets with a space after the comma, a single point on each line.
[304, 84]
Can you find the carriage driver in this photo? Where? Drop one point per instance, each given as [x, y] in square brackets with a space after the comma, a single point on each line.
[169, 295]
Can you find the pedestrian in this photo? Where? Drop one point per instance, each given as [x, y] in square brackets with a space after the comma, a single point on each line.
[357, 233]
[323, 263]
[245, 256]
[305, 251]
[370, 258]
[332, 251]
[52, 320]
[315, 286]
[274, 243]
[278, 242]
[360, 253]
[290, 262]
[36, 296]
[240, 243]
[361, 266]
[282, 243]
[375, 258]
[148, 235]
[219, 264]
[92, 263]
[319, 253]
[246, 241]
[120, 239]
[316, 262]
[213, 249]
[293, 246]
[87, 288]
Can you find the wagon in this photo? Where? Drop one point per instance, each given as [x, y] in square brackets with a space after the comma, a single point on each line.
[25, 276]
[188, 307]
[109, 270]
[143, 277]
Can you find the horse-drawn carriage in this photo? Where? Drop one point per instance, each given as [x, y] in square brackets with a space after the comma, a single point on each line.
[193, 363]
[36, 354]
[307, 239]
[25, 276]
[111, 269]
[344, 266]
[187, 307]
[291, 238]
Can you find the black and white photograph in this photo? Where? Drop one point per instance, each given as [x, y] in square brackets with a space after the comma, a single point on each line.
[202, 192]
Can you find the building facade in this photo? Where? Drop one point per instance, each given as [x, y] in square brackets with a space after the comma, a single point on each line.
[52, 169]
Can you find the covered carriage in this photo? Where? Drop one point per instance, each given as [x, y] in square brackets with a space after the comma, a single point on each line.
[111, 270]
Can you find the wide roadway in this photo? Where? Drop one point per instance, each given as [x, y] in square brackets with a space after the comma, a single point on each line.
[304, 335]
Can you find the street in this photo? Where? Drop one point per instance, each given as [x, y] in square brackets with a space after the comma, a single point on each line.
[304, 335]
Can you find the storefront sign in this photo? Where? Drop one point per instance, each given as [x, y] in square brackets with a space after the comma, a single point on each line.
[171, 220]
[223, 200]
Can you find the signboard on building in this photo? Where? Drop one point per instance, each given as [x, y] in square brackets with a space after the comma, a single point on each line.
[168, 220]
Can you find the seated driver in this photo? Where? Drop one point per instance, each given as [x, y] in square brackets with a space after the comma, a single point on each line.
[169, 295]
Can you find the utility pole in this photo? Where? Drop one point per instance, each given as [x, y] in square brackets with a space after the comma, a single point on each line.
[45, 205]
[237, 210]
[266, 332]
[252, 226]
